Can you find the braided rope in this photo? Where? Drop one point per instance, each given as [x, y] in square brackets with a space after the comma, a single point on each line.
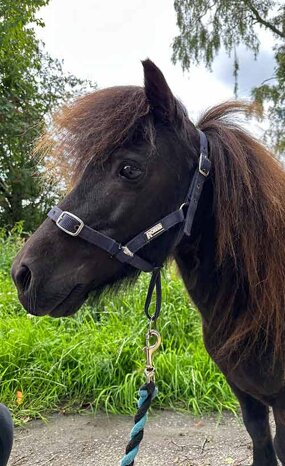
[147, 392]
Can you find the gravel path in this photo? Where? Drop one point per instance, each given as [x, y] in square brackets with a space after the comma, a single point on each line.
[170, 439]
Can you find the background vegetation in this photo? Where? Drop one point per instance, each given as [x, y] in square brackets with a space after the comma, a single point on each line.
[206, 27]
[96, 360]
[32, 85]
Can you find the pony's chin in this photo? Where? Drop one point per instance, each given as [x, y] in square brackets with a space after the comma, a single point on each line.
[67, 307]
[70, 305]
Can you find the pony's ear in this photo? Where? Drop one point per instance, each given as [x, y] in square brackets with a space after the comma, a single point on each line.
[159, 95]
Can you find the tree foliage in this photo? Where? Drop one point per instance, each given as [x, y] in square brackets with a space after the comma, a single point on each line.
[207, 25]
[32, 84]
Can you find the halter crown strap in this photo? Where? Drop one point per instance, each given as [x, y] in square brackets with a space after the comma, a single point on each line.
[197, 184]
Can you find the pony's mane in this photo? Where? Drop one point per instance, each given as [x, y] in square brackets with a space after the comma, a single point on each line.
[91, 127]
[249, 208]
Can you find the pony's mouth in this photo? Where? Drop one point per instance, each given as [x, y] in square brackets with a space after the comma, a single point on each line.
[70, 304]
[66, 307]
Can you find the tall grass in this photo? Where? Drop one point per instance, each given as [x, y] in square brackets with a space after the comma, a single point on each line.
[95, 359]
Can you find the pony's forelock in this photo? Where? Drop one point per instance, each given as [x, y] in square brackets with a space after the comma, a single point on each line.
[93, 126]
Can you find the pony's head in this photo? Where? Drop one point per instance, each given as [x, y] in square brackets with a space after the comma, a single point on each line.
[131, 153]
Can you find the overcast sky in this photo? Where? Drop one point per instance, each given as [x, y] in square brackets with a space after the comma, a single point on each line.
[104, 40]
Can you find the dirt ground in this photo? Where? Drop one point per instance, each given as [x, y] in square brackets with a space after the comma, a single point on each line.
[170, 439]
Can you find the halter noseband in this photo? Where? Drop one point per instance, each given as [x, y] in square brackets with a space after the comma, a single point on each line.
[74, 226]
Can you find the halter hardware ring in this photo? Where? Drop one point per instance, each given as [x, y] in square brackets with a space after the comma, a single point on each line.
[74, 217]
[202, 169]
[183, 205]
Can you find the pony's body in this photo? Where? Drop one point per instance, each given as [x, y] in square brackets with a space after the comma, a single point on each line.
[133, 152]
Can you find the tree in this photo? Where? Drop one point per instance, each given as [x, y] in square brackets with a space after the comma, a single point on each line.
[207, 25]
[32, 85]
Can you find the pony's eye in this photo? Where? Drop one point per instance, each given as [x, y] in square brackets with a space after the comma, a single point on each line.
[131, 172]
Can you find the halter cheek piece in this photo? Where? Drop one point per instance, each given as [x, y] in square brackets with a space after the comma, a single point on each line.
[74, 226]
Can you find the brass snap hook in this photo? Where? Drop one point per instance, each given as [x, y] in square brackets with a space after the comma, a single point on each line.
[149, 350]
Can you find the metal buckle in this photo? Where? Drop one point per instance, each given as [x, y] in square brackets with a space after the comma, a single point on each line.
[204, 171]
[127, 251]
[69, 214]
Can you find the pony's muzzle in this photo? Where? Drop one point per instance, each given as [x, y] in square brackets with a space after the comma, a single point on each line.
[22, 277]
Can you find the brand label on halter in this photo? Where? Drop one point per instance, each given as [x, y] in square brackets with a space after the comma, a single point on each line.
[154, 231]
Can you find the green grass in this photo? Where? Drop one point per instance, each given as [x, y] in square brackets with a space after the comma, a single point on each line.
[96, 359]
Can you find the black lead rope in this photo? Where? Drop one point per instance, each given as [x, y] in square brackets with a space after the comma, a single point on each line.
[184, 216]
[155, 283]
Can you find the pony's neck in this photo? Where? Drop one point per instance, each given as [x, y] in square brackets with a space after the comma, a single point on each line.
[195, 255]
[206, 282]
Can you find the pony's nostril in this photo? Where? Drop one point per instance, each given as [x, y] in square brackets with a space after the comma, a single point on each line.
[23, 278]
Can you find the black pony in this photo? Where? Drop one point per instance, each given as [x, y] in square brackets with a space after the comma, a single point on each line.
[131, 153]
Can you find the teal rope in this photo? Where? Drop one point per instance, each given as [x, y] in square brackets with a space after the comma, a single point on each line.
[146, 394]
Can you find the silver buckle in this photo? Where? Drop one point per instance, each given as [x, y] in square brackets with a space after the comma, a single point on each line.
[127, 251]
[80, 226]
[203, 172]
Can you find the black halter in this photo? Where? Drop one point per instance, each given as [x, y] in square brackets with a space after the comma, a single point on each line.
[184, 215]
